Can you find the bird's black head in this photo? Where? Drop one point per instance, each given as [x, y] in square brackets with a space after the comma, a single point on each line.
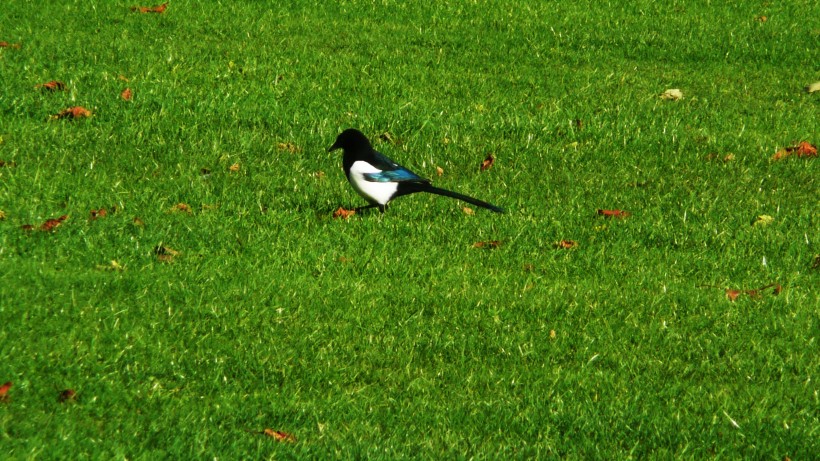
[351, 139]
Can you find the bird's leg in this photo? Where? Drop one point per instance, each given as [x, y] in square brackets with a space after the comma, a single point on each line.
[366, 207]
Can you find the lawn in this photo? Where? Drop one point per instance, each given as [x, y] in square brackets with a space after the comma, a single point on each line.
[216, 296]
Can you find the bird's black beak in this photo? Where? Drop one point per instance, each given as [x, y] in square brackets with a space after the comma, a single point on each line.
[333, 147]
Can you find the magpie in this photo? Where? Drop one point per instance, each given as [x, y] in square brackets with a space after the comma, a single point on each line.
[379, 179]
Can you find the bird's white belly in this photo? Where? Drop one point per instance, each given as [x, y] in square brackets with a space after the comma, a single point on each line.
[374, 192]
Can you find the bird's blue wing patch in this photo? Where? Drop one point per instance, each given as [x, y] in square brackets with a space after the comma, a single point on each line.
[398, 175]
[391, 171]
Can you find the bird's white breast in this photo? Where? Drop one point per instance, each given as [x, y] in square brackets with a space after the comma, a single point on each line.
[373, 192]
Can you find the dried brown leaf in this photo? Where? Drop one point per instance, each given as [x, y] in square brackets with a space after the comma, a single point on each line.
[763, 220]
[279, 436]
[73, 113]
[96, 214]
[487, 163]
[468, 211]
[289, 147]
[725, 158]
[672, 94]
[68, 395]
[52, 224]
[234, 168]
[127, 94]
[802, 149]
[343, 213]
[181, 207]
[165, 254]
[389, 138]
[490, 244]
[54, 85]
[566, 244]
[614, 213]
[150, 9]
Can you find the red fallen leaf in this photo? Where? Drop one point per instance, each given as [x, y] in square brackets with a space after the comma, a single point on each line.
[279, 436]
[488, 162]
[68, 395]
[566, 244]
[9, 45]
[54, 85]
[733, 294]
[101, 213]
[488, 244]
[150, 9]
[51, 224]
[73, 113]
[803, 149]
[126, 94]
[4, 389]
[614, 213]
[343, 213]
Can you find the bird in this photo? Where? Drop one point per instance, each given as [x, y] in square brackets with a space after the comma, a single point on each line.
[379, 180]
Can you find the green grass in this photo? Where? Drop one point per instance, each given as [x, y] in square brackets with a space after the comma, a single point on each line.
[392, 336]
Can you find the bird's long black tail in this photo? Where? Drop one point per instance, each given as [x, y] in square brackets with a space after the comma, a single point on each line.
[456, 195]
